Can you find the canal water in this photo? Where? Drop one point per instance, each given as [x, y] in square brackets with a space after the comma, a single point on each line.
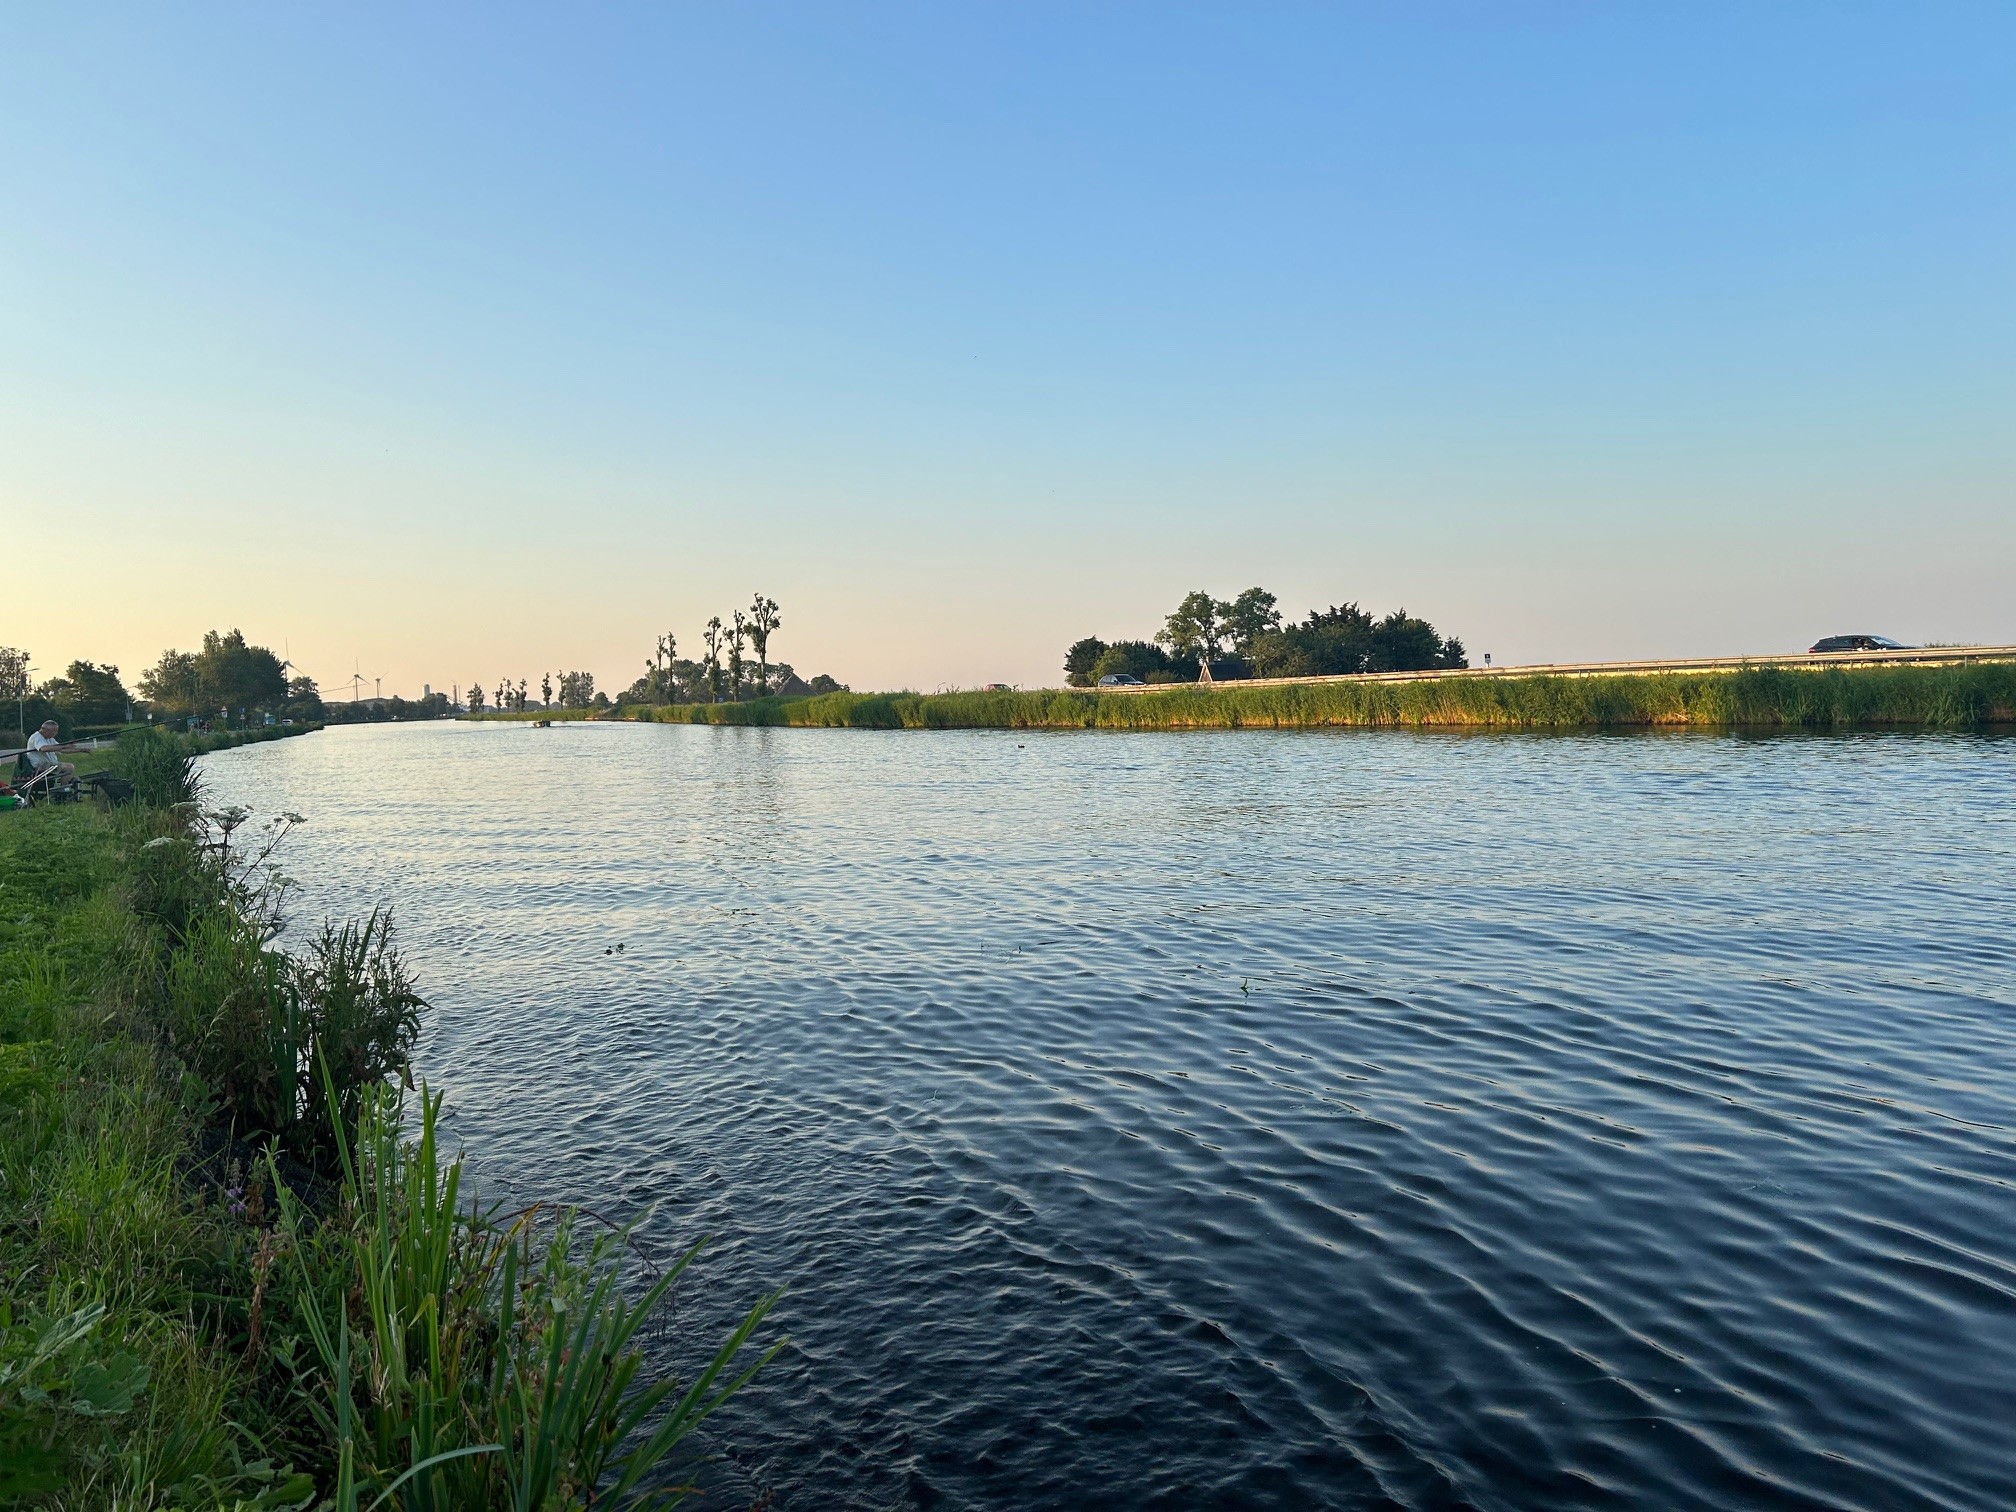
[1241, 1119]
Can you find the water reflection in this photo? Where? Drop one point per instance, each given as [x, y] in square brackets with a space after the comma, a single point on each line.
[1249, 1119]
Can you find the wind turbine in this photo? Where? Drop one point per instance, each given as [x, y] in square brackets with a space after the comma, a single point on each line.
[357, 681]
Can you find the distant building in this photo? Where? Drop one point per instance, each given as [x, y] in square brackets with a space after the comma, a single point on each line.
[791, 685]
[1227, 669]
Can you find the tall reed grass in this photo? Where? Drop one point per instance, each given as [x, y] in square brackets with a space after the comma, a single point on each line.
[161, 767]
[493, 1364]
[1951, 697]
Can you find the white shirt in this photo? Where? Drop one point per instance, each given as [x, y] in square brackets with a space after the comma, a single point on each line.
[38, 751]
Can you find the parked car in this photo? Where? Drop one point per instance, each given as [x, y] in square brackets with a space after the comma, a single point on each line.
[1856, 643]
[1121, 680]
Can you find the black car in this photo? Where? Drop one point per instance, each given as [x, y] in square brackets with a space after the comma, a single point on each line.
[1857, 643]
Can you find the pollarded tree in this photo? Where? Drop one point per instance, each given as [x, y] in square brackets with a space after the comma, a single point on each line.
[712, 636]
[475, 698]
[546, 689]
[658, 670]
[763, 623]
[739, 634]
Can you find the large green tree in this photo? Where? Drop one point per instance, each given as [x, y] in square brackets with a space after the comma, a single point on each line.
[304, 699]
[1248, 617]
[1081, 658]
[236, 675]
[1196, 628]
[228, 673]
[173, 684]
[88, 694]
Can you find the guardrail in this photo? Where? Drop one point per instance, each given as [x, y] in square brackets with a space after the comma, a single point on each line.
[1919, 656]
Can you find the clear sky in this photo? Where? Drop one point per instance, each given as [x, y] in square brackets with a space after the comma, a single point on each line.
[470, 342]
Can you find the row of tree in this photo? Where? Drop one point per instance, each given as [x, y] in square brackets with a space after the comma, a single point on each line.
[233, 680]
[721, 673]
[227, 678]
[1246, 637]
[577, 691]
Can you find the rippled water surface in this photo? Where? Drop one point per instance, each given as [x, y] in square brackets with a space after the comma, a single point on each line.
[1246, 1119]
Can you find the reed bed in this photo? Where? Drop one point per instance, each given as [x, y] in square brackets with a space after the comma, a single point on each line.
[1942, 698]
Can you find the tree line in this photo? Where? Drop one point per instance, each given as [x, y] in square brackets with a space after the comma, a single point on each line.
[227, 679]
[1247, 637]
[722, 672]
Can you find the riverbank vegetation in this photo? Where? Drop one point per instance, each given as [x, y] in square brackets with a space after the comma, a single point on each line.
[227, 684]
[1934, 697]
[239, 1270]
[1246, 637]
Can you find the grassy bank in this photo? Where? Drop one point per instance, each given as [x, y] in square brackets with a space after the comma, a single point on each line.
[235, 1269]
[1949, 697]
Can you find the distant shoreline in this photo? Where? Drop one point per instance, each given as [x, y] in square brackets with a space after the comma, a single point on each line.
[1948, 696]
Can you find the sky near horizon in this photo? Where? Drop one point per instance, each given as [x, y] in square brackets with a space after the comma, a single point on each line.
[466, 342]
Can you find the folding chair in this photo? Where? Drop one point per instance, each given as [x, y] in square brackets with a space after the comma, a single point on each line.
[45, 786]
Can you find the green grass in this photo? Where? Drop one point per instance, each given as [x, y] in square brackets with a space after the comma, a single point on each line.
[1953, 697]
[228, 1277]
[113, 1378]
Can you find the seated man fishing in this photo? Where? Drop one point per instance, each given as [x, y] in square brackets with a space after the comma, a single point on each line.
[42, 759]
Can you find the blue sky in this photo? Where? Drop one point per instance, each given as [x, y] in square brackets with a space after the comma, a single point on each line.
[491, 340]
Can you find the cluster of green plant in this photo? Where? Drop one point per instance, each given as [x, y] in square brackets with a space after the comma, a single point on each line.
[230, 1280]
[1930, 697]
[490, 1364]
[1245, 637]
